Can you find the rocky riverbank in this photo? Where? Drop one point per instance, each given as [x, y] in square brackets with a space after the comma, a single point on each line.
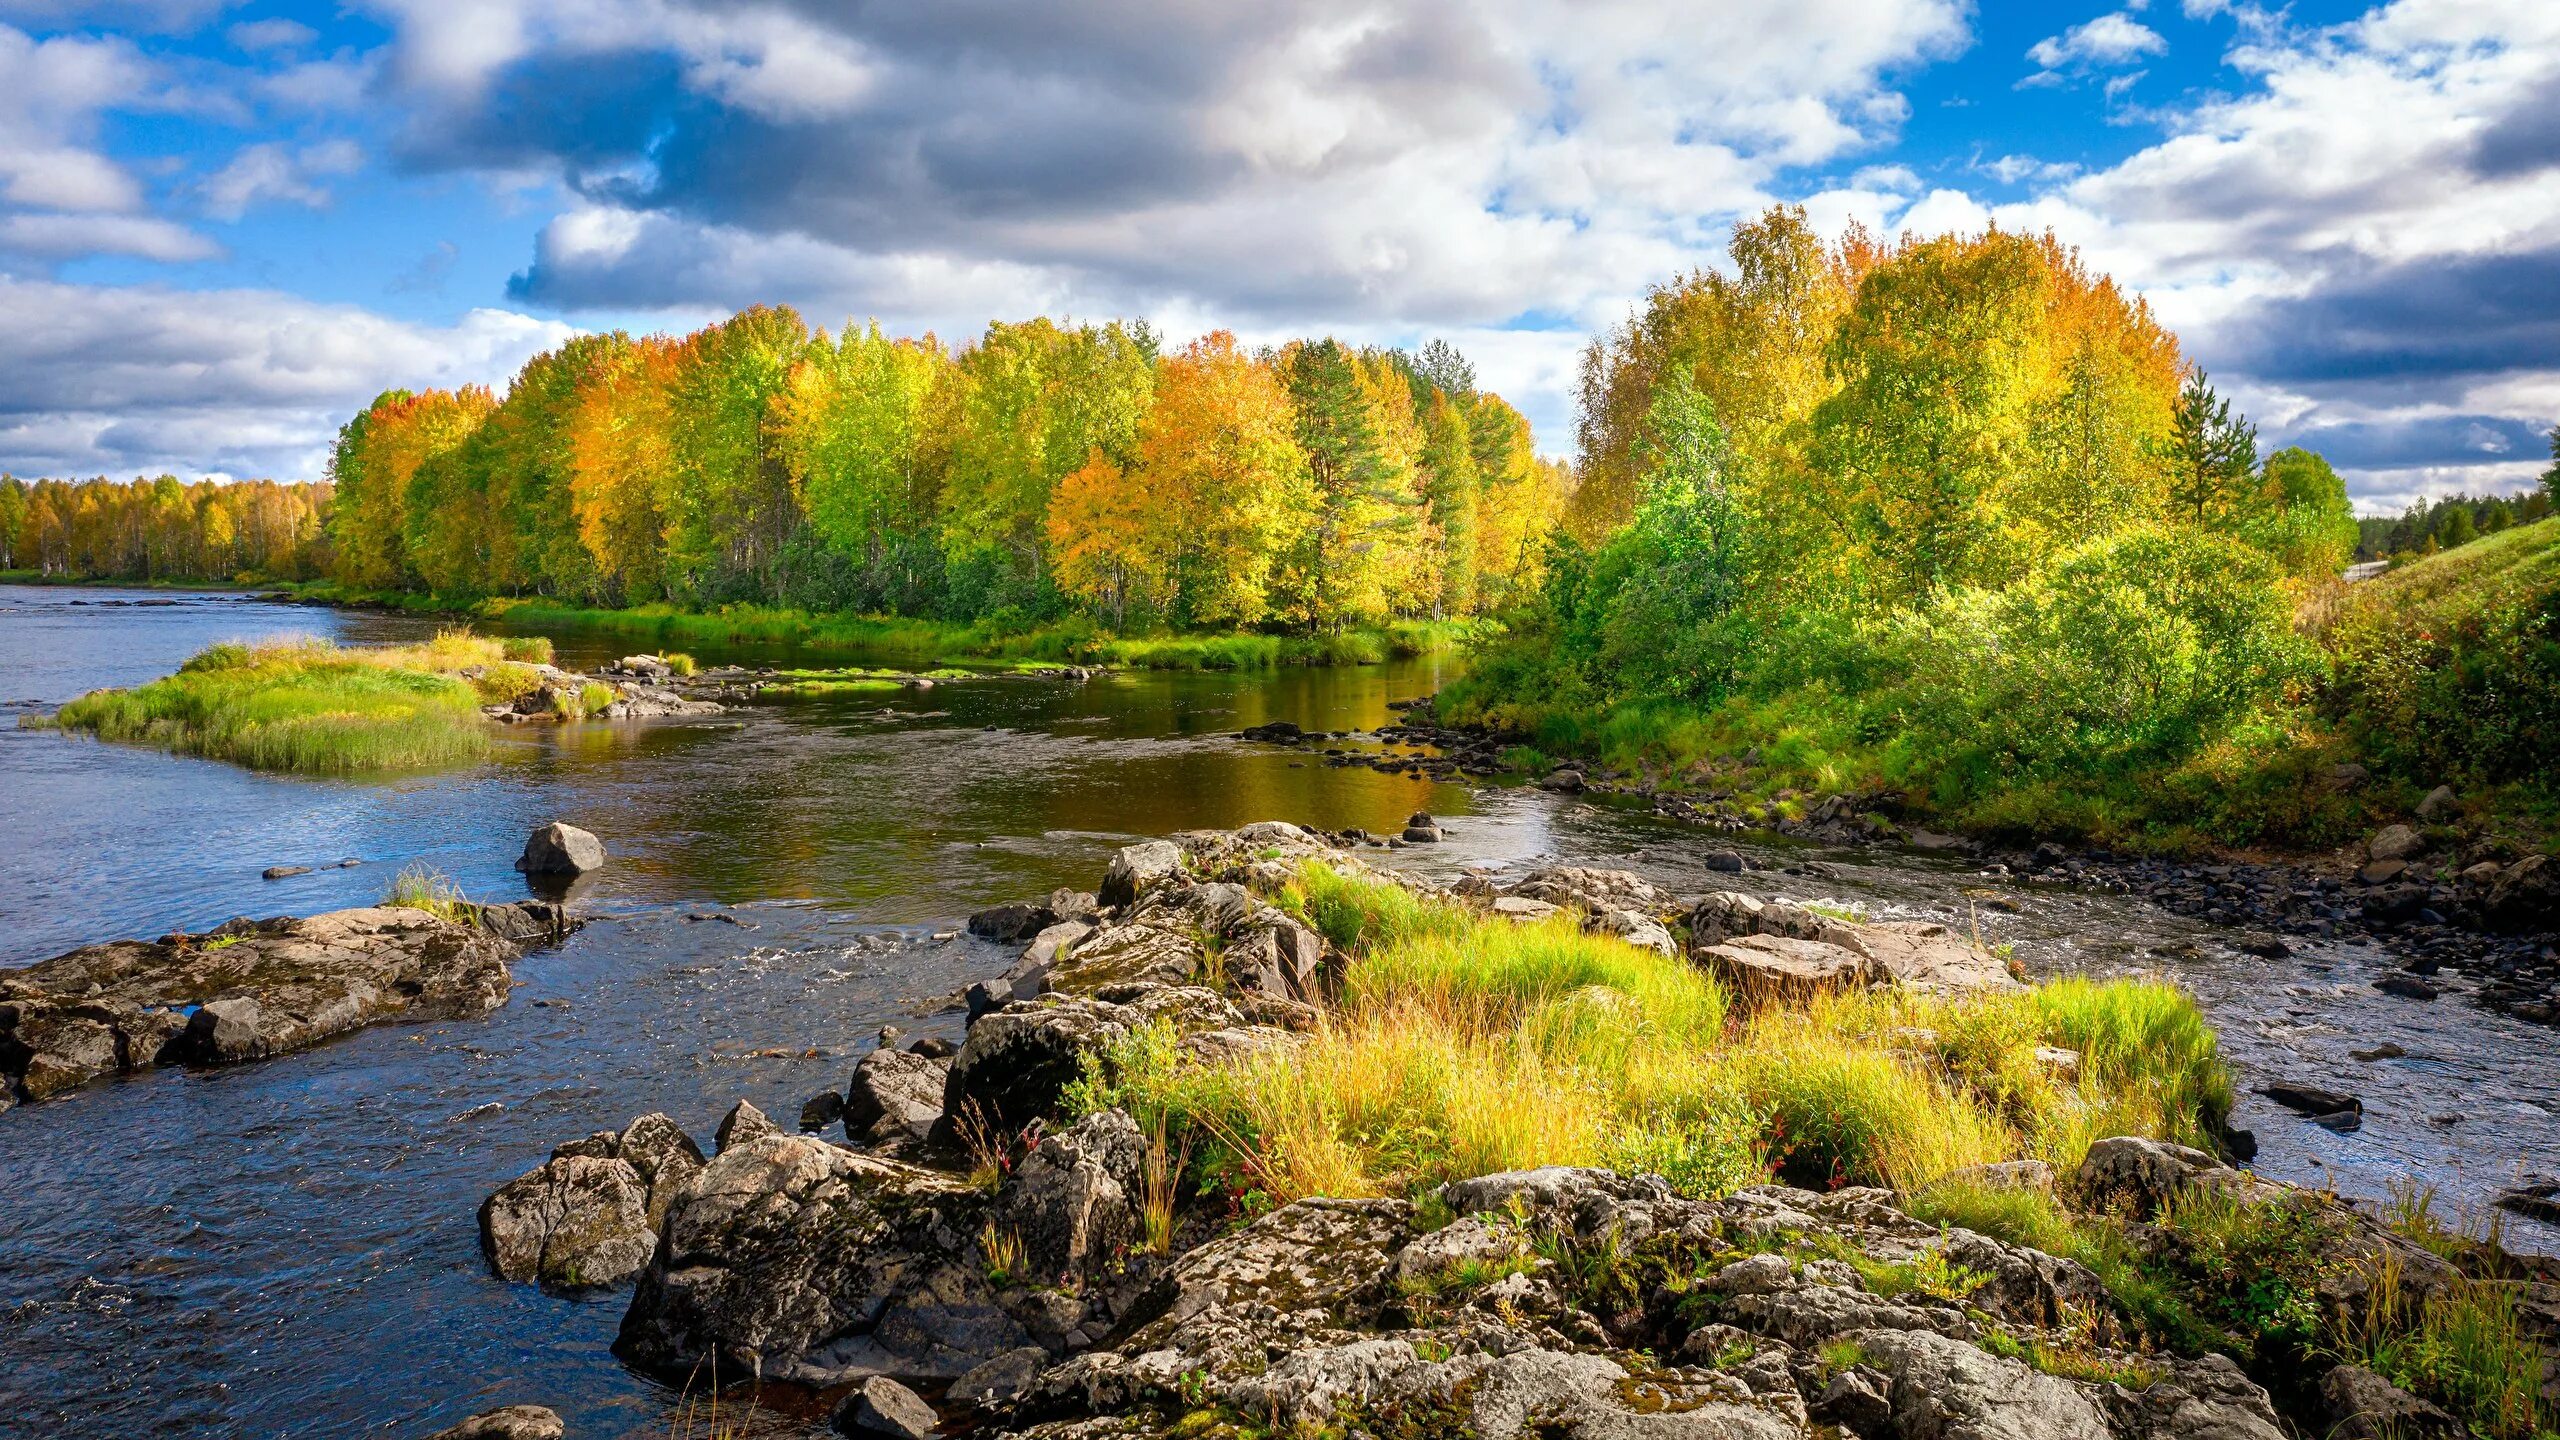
[249, 989]
[2444, 900]
[984, 1251]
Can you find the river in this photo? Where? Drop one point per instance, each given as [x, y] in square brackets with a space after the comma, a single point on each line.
[290, 1248]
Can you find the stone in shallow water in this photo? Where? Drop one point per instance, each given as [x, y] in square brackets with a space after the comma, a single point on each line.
[559, 850]
[508, 1422]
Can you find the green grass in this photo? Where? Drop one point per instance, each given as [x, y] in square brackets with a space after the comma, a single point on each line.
[917, 642]
[301, 706]
[2446, 670]
[1465, 1045]
[419, 886]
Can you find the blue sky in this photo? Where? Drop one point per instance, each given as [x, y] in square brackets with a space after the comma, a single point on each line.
[223, 227]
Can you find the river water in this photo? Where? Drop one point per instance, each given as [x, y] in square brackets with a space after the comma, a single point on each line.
[291, 1249]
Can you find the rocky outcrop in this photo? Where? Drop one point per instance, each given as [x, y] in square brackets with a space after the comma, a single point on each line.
[790, 1258]
[588, 1217]
[1775, 951]
[251, 989]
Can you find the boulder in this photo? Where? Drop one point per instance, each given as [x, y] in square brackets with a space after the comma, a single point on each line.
[1637, 929]
[1566, 780]
[820, 1111]
[1137, 870]
[1073, 1202]
[560, 850]
[2361, 1405]
[2143, 1174]
[2306, 1099]
[572, 1223]
[882, 1406]
[664, 1157]
[2394, 842]
[1010, 923]
[894, 1095]
[507, 1422]
[1593, 891]
[743, 1123]
[1944, 1387]
[249, 990]
[997, 1383]
[792, 1259]
[1016, 1061]
[2525, 898]
[283, 872]
[1779, 969]
[2438, 805]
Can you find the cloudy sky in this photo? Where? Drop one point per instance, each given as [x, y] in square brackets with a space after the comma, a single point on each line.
[224, 227]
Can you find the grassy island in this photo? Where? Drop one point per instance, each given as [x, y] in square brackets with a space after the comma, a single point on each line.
[307, 706]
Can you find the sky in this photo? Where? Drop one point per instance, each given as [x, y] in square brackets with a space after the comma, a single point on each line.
[224, 228]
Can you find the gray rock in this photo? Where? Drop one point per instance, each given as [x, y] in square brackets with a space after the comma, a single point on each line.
[1073, 1202]
[2361, 1405]
[1009, 923]
[663, 1156]
[573, 1223]
[2438, 804]
[508, 1422]
[559, 849]
[258, 988]
[895, 1095]
[2147, 1173]
[882, 1406]
[283, 872]
[1137, 870]
[1015, 1062]
[743, 1123]
[2525, 898]
[820, 1111]
[999, 1381]
[2205, 1398]
[1593, 891]
[2395, 842]
[1945, 1389]
[792, 1259]
[1637, 929]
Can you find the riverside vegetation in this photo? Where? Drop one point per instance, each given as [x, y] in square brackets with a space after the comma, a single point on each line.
[1255, 1141]
[1952, 520]
[309, 706]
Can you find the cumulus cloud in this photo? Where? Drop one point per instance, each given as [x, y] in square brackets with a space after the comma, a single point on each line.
[2111, 39]
[125, 379]
[271, 171]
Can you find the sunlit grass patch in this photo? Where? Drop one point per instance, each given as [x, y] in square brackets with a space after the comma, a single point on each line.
[301, 705]
[420, 886]
[1463, 1044]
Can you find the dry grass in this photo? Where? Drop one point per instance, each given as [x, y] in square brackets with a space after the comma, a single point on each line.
[1466, 1045]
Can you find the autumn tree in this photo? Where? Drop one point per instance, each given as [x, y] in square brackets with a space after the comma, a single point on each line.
[1031, 402]
[854, 424]
[1218, 460]
[1937, 363]
[1363, 545]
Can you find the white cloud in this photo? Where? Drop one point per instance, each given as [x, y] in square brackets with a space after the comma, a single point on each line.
[70, 237]
[271, 34]
[2333, 247]
[140, 379]
[2112, 39]
[273, 171]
